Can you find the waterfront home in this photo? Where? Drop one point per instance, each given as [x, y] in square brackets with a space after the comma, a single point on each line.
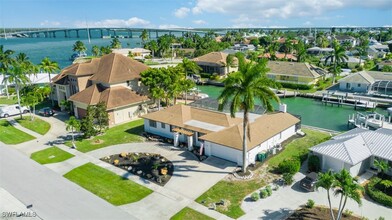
[137, 53]
[352, 62]
[279, 56]
[355, 150]
[215, 63]
[346, 39]
[218, 133]
[367, 81]
[113, 79]
[294, 73]
[378, 51]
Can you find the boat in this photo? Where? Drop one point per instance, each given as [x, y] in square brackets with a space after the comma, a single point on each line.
[106, 37]
[77, 55]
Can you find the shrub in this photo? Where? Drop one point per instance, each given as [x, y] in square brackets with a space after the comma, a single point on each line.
[376, 194]
[310, 203]
[314, 163]
[347, 213]
[255, 196]
[288, 178]
[263, 193]
[296, 86]
[292, 166]
[269, 190]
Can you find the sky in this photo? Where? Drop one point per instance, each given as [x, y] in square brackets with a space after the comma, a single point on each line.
[194, 13]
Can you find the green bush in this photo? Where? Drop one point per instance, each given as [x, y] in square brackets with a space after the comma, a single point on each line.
[269, 190]
[292, 166]
[376, 194]
[255, 196]
[263, 193]
[347, 213]
[310, 203]
[288, 178]
[296, 86]
[314, 163]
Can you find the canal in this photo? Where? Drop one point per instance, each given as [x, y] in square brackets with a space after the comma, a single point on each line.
[312, 112]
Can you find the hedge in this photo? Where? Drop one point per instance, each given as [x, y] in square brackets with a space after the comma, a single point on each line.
[296, 86]
[376, 194]
[291, 166]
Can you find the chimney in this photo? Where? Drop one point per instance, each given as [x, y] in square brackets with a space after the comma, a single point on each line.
[283, 108]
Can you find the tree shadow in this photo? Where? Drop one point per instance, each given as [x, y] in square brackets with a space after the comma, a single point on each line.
[282, 213]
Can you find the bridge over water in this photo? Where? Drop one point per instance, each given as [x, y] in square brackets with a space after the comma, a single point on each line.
[155, 33]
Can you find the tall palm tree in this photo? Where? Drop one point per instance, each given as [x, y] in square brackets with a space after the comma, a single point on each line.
[115, 43]
[190, 67]
[18, 77]
[229, 62]
[326, 181]
[49, 67]
[301, 51]
[95, 50]
[337, 56]
[5, 63]
[241, 89]
[144, 36]
[79, 47]
[72, 125]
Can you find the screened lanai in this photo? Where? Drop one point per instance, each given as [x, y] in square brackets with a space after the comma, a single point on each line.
[382, 87]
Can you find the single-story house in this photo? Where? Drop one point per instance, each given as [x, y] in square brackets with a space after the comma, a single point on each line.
[355, 150]
[352, 62]
[345, 38]
[384, 63]
[366, 81]
[215, 62]
[137, 53]
[279, 56]
[295, 73]
[218, 133]
[319, 51]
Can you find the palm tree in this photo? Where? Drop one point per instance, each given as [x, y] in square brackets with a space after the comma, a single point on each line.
[326, 181]
[115, 43]
[73, 125]
[95, 50]
[347, 187]
[336, 57]
[49, 66]
[5, 63]
[17, 76]
[229, 62]
[381, 165]
[190, 67]
[144, 36]
[241, 89]
[301, 51]
[79, 47]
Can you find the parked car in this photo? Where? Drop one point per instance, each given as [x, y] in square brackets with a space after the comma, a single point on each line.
[9, 110]
[309, 182]
[46, 111]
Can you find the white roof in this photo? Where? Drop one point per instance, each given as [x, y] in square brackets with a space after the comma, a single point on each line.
[358, 144]
[34, 79]
[204, 125]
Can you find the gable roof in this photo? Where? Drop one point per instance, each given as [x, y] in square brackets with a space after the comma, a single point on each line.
[214, 57]
[116, 68]
[114, 97]
[261, 129]
[358, 144]
[294, 68]
[358, 77]
[80, 69]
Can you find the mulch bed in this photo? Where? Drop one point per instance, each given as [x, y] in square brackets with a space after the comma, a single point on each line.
[318, 213]
[152, 167]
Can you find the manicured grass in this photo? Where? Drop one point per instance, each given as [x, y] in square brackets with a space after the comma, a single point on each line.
[5, 101]
[233, 192]
[107, 185]
[299, 147]
[190, 214]
[50, 155]
[36, 125]
[10, 135]
[125, 133]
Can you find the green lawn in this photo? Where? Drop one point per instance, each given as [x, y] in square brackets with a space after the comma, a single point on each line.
[107, 185]
[125, 133]
[10, 135]
[190, 214]
[37, 125]
[299, 146]
[50, 155]
[232, 191]
[5, 101]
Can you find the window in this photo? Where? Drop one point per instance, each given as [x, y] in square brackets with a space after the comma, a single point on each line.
[359, 85]
[153, 124]
[163, 125]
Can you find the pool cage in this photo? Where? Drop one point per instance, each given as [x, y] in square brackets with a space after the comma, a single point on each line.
[212, 104]
[382, 87]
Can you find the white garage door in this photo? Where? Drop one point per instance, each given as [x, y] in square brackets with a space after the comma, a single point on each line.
[332, 163]
[226, 153]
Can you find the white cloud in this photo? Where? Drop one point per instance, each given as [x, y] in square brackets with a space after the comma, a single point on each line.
[307, 23]
[47, 23]
[168, 26]
[181, 12]
[199, 22]
[132, 22]
[256, 10]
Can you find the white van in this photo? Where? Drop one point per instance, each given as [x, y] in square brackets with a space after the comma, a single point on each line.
[12, 110]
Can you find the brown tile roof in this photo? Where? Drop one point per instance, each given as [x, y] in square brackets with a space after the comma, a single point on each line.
[295, 69]
[114, 97]
[262, 129]
[214, 57]
[283, 40]
[178, 115]
[116, 68]
[81, 69]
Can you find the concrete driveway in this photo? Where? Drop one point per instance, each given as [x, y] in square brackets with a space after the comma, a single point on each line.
[286, 199]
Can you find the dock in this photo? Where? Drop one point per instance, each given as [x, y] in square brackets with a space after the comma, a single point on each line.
[341, 100]
[369, 121]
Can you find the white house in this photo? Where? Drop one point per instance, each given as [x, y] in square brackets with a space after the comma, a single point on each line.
[218, 133]
[355, 150]
[366, 81]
